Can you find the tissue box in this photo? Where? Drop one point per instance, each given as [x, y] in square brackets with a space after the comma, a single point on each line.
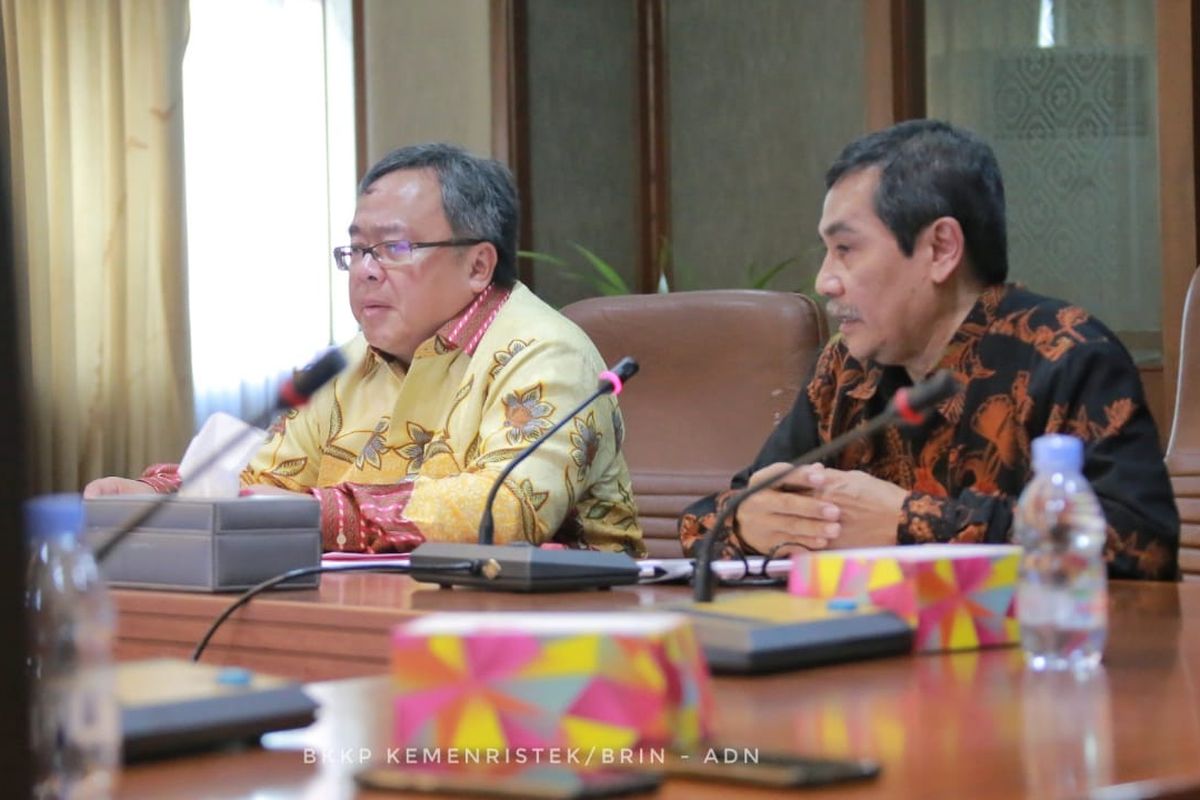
[502, 682]
[208, 545]
[957, 597]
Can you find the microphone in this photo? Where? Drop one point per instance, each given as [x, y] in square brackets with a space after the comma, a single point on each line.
[294, 393]
[304, 384]
[907, 406]
[521, 566]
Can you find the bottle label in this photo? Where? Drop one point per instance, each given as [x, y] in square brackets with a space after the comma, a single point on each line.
[93, 715]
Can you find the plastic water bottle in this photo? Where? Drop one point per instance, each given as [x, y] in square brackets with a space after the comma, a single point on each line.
[75, 716]
[1062, 594]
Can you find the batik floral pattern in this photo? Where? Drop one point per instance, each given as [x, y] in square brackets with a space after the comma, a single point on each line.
[399, 450]
[414, 449]
[500, 359]
[526, 415]
[618, 425]
[585, 443]
[374, 448]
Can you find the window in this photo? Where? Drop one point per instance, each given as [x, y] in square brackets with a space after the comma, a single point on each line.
[270, 173]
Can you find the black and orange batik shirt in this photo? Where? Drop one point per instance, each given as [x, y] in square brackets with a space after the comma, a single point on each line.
[1029, 365]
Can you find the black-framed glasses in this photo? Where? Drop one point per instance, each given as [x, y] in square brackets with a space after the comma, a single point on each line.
[391, 254]
[757, 570]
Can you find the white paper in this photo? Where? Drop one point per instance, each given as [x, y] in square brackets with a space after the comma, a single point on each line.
[221, 479]
[663, 570]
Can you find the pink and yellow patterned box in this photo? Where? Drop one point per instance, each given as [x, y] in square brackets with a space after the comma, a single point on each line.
[957, 597]
[502, 681]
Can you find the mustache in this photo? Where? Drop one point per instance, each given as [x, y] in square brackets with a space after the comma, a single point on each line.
[838, 310]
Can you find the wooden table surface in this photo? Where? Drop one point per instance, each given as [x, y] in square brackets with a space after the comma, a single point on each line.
[964, 725]
[340, 630]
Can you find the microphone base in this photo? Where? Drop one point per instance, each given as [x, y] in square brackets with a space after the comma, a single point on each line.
[762, 632]
[521, 567]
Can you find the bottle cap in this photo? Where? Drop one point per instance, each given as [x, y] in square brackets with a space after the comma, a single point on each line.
[53, 513]
[1056, 452]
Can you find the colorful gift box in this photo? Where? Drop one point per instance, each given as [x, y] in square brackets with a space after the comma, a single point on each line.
[501, 682]
[957, 597]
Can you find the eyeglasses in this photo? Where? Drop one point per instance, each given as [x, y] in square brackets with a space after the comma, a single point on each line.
[770, 569]
[391, 254]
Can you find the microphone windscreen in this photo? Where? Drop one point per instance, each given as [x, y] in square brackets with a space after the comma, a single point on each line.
[314, 376]
[930, 392]
[625, 369]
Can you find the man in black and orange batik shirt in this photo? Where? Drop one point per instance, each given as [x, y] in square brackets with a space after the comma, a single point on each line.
[914, 275]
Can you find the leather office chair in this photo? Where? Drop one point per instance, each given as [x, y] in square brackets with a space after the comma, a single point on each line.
[719, 369]
[1183, 450]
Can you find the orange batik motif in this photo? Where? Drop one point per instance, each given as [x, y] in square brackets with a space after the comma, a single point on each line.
[1028, 365]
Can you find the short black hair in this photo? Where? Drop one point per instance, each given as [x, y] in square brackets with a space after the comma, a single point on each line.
[479, 197]
[931, 169]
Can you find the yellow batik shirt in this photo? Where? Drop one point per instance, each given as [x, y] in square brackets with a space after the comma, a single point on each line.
[397, 457]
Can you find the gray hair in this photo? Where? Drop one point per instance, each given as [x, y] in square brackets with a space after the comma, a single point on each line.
[479, 197]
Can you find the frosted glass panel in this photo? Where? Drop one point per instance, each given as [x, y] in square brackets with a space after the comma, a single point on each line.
[582, 139]
[1065, 91]
[763, 94]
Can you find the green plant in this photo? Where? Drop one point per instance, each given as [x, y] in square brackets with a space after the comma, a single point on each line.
[761, 280]
[604, 279]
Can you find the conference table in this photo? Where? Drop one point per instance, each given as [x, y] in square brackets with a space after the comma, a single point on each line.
[956, 725]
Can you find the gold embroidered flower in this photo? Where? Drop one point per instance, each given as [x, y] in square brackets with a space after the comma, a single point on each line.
[527, 492]
[585, 443]
[414, 450]
[502, 357]
[373, 450]
[526, 415]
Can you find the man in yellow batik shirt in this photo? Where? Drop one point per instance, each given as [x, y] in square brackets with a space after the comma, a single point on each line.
[458, 368]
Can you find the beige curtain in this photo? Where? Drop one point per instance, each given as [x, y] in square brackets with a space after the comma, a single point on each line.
[97, 137]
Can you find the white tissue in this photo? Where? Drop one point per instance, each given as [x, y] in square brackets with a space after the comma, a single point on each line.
[221, 479]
